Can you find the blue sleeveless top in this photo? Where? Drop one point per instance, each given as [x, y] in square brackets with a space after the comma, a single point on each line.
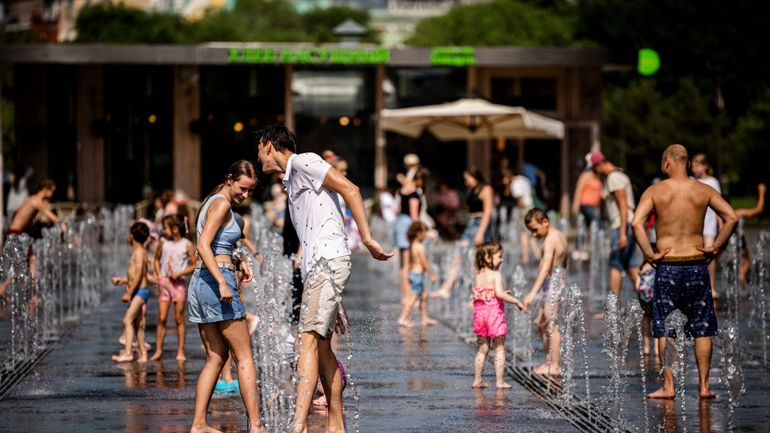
[226, 237]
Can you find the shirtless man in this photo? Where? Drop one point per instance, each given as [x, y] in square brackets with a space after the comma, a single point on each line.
[22, 220]
[550, 279]
[38, 202]
[682, 277]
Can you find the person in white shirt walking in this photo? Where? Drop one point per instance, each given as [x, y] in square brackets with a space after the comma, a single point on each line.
[313, 187]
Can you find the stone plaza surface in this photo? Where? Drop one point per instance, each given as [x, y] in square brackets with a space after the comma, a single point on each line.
[408, 380]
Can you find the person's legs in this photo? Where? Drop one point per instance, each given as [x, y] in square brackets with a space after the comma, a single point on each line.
[331, 380]
[666, 391]
[616, 281]
[403, 319]
[424, 319]
[403, 255]
[236, 334]
[551, 340]
[703, 360]
[707, 242]
[524, 245]
[227, 370]
[478, 363]
[307, 377]
[216, 353]
[140, 325]
[499, 345]
[160, 333]
[181, 330]
[134, 309]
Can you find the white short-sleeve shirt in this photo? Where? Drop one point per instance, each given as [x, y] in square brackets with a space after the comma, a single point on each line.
[521, 188]
[617, 181]
[710, 224]
[315, 210]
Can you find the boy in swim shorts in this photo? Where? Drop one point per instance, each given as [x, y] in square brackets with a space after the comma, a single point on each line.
[136, 295]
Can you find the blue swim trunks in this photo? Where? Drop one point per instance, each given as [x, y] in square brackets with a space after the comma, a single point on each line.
[141, 292]
[416, 281]
[684, 285]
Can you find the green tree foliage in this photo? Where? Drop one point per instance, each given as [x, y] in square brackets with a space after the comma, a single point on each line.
[640, 121]
[121, 24]
[748, 146]
[251, 21]
[498, 23]
[248, 21]
[716, 47]
[320, 23]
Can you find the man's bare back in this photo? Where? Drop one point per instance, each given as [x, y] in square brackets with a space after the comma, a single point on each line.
[679, 204]
[37, 203]
[680, 207]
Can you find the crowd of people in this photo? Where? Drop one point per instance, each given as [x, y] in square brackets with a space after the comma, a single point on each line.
[666, 243]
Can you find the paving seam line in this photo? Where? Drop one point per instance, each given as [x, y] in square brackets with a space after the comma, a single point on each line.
[586, 417]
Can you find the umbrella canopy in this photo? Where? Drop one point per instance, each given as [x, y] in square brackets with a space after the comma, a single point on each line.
[471, 118]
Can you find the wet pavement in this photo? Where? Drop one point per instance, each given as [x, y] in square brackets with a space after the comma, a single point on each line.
[408, 380]
[413, 380]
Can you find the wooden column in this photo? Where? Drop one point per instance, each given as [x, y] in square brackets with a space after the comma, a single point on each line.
[479, 151]
[380, 156]
[187, 145]
[288, 97]
[31, 118]
[90, 155]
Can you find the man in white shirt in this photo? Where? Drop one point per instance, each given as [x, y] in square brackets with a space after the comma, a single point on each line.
[521, 191]
[313, 187]
[618, 196]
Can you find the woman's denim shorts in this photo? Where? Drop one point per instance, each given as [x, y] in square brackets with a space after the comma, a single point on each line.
[203, 304]
[473, 227]
[402, 226]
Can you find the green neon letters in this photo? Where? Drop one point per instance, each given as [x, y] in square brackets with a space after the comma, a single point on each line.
[310, 56]
[453, 56]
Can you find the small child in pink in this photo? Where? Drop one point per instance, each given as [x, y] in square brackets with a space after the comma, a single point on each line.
[174, 258]
[489, 311]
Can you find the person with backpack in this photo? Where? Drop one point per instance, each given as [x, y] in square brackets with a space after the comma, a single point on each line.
[619, 202]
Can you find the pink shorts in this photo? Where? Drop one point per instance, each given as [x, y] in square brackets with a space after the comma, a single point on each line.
[489, 319]
[172, 290]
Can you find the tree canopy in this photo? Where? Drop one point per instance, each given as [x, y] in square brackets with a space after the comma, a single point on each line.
[250, 20]
[498, 23]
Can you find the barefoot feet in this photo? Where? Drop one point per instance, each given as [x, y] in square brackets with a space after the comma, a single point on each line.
[123, 357]
[503, 385]
[547, 370]
[479, 384]
[663, 393]
[157, 355]
[427, 321]
[203, 429]
[405, 323]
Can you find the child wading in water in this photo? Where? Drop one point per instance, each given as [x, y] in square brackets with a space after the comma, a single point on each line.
[417, 269]
[136, 294]
[550, 279]
[174, 258]
[489, 311]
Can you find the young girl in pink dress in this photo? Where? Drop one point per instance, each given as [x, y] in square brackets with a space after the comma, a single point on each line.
[174, 259]
[489, 311]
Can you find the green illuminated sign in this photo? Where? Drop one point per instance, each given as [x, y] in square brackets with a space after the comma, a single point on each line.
[453, 56]
[312, 56]
[649, 61]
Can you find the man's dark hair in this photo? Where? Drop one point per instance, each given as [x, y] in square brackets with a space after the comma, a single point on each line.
[140, 231]
[281, 137]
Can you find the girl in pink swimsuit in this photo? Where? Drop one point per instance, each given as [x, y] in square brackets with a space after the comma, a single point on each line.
[489, 311]
[174, 259]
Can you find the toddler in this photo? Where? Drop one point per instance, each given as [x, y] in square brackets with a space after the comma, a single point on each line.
[489, 311]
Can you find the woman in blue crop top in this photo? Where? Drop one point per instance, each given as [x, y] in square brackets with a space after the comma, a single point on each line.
[480, 202]
[213, 302]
